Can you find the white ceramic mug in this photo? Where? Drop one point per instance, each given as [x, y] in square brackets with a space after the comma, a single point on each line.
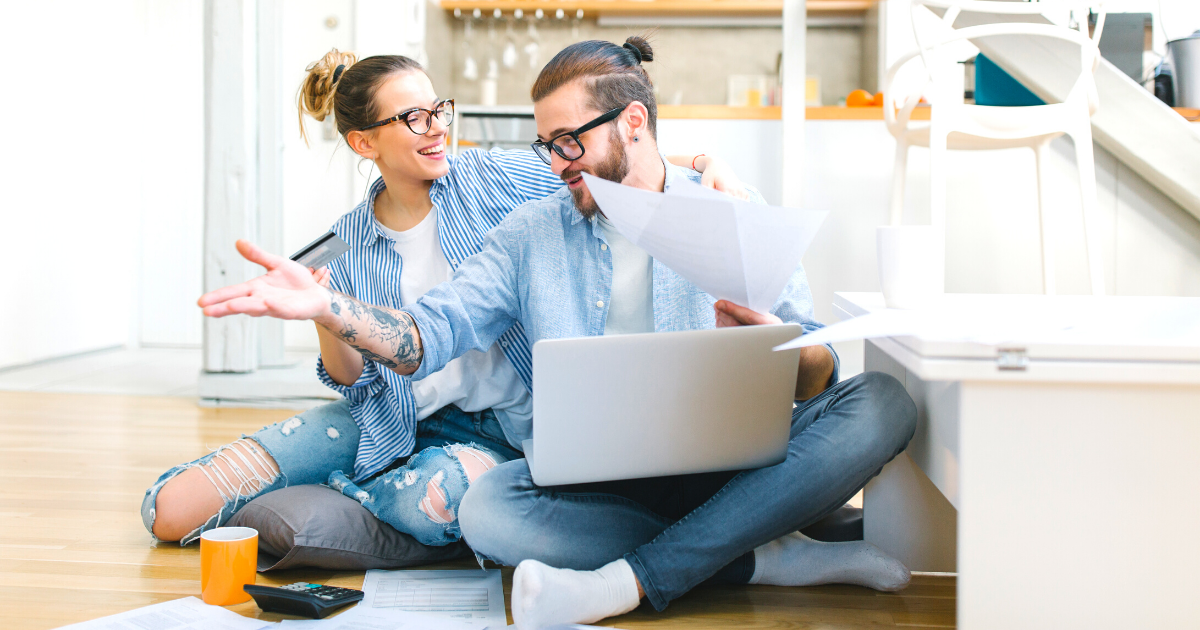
[912, 264]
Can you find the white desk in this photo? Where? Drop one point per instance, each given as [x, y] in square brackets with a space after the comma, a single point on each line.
[1064, 489]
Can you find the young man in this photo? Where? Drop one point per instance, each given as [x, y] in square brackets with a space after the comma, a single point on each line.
[557, 267]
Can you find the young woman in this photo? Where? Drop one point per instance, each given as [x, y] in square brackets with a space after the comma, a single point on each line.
[425, 214]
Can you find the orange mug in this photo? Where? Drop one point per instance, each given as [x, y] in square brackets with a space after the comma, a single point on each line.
[228, 559]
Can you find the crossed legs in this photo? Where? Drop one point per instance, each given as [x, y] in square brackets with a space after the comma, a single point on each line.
[839, 440]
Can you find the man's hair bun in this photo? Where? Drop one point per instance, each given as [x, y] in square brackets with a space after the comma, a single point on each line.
[640, 48]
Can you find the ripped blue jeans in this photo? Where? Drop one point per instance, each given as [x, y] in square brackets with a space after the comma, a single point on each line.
[419, 497]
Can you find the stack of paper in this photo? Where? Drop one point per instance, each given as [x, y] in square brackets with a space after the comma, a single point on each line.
[363, 618]
[731, 249]
[475, 598]
[187, 613]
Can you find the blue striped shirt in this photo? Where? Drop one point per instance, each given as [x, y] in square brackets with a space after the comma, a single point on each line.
[478, 192]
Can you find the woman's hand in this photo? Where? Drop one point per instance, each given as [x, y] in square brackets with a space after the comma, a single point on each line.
[719, 176]
[320, 276]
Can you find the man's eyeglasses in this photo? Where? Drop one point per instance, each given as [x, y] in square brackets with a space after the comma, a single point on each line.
[420, 120]
[567, 145]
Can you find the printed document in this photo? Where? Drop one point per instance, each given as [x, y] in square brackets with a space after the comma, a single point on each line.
[188, 613]
[731, 249]
[362, 618]
[473, 596]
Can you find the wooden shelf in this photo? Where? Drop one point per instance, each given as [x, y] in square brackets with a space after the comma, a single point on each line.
[723, 112]
[658, 7]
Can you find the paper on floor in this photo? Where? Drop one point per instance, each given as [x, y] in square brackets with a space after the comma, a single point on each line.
[731, 249]
[476, 597]
[363, 618]
[187, 613]
[566, 626]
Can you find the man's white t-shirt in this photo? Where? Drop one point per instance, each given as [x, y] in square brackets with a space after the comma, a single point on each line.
[631, 304]
[475, 381]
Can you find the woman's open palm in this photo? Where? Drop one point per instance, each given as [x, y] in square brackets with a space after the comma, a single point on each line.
[287, 291]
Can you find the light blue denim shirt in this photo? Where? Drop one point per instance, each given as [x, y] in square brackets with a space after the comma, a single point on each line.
[543, 267]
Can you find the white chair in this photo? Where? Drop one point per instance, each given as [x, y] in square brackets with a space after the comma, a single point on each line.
[959, 126]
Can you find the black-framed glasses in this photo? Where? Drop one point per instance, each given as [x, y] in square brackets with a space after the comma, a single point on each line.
[567, 145]
[420, 120]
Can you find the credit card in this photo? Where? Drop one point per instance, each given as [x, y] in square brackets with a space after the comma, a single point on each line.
[320, 252]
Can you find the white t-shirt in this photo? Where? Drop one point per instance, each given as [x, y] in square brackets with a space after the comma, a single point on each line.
[631, 304]
[475, 381]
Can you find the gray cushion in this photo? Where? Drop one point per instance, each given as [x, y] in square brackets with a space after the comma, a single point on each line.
[314, 526]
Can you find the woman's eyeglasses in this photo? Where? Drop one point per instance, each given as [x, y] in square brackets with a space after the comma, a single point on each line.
[420, 120]
[567, 145]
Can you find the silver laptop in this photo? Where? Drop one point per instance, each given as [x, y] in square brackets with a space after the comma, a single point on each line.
[650, 405]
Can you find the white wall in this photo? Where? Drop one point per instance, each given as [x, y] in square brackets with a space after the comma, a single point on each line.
[102, 198]
[172, 218]
[76, 100]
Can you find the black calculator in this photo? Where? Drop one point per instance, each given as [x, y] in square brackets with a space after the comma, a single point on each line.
[314, 601]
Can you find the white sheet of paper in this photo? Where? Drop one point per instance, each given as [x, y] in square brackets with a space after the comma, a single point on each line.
[363, 618]
[1145, 321]
[471, 596]
[731, 249]
[188, 613]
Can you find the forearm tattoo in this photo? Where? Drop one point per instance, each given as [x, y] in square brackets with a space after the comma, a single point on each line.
[382, 335]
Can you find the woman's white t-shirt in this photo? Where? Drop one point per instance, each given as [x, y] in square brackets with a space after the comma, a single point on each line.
[475, 381]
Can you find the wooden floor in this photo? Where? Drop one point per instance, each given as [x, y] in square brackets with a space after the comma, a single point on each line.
[72, 545]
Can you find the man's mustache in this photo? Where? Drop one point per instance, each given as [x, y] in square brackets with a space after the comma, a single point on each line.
[569, 175]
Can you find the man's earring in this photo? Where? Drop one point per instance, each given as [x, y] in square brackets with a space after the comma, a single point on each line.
[635, 138]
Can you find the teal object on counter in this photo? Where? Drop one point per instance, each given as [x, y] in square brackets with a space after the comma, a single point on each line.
[994, 86]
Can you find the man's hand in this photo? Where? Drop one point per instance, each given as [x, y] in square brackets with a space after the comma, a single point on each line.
[720, 176]
[730, 314]
[288, 290]
[816, 364]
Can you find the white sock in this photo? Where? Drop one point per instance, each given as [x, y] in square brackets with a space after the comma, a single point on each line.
[544, 596]
[797, 560]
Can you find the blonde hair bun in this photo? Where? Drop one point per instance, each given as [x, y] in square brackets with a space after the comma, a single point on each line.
[317, 90]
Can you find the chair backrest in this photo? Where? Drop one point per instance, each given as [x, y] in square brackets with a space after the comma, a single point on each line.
[929, 45]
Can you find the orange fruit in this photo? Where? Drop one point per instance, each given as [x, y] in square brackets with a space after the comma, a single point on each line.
[859, 98]
[878, 100]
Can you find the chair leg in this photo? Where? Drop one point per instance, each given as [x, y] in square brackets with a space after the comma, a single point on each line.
[899, 175]
[937, 176]
[1043, 179]
[1086, 163]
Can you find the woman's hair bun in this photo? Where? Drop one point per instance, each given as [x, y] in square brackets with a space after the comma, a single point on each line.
[316, 92]
[641, 48]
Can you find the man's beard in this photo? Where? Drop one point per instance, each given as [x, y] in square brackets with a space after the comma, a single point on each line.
[614, 169]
